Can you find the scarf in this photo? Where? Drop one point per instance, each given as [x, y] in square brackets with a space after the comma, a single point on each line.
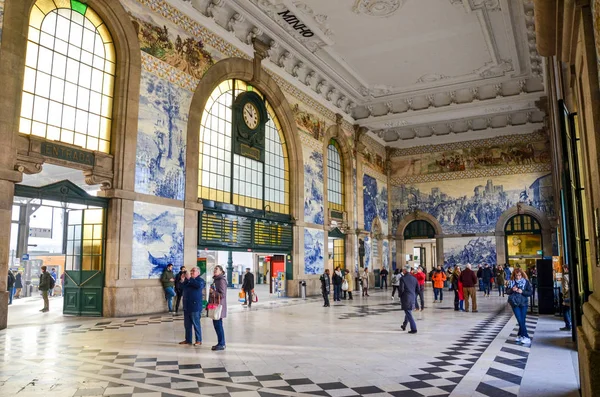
[519, 283]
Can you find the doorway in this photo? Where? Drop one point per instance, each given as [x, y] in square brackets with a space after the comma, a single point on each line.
[420, 245]
[523, 241]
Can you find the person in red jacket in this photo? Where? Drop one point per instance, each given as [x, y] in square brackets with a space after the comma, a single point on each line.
[438, 278]
[469, 280]
[420, 275]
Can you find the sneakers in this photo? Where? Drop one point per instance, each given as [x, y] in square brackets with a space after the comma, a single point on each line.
[435, 301]
[519, 339]
[526, 341]
[403, 327]
[414, 331]
[392, 298]
[565, 329]
[217, 347]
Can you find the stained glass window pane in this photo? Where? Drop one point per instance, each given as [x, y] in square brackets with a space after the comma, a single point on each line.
[335, 185]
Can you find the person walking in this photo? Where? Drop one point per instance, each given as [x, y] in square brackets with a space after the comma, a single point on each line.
[519, 290]
[507, 272]
[364, 279]
[457, 287]
[10, 286]
[337, 281]
[468, 278]
[218, 294]
[383, 273]
[192, 286]
[420, 276]
[486, 277]
[500, 280]
[350, 281]
[396, 283]
[325, 287]
[179, 287]
[18, 284]
[409, 288]
[248, 287]
[46, 284]
[479, 277]
[438, 278]
[168, 282]
[566, 291]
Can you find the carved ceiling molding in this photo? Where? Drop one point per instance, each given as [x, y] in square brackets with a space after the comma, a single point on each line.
[320, 19]
[535, 59]
[377, 8]
[488, 70]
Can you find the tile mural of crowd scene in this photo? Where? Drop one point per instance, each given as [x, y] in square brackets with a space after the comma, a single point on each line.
[375, 200]
[157, 239]
[313, 187]
[473, 158]
[473, 250]
[313, 251]
[161, 144]
[472, 205]
[168, 42]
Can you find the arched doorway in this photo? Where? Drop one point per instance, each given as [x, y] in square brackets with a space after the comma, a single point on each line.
[523, 241]
[419, 235]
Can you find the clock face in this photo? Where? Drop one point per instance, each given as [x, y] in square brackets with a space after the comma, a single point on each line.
[251, 116]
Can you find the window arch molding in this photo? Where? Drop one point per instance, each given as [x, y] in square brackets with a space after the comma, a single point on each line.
[335, 132]
[126, 87]
[237, 68]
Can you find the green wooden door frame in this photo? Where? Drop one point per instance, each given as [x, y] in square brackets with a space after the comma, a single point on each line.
[83, 289]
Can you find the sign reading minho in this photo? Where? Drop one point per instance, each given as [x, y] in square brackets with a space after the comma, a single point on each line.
[50, 149]
[296, 23]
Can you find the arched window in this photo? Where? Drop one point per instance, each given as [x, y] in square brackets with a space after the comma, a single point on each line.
[335, 177]
[230, 178]
[69, 75]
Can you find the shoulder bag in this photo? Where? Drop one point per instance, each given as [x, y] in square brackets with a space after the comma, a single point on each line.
[214, 307]
[345, 285]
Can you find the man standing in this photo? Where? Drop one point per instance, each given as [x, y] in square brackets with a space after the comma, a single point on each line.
[46, 284]
[383, 274]
[168, 283]
[409, 288]
[18, 284]
[468, 278]
[179, 287]
[337, 281]
[486, 276]
[420, 276]
[566, 299]
[325, 287]
[479, 277]
[10, 286]
[192, 285]
[247, 287]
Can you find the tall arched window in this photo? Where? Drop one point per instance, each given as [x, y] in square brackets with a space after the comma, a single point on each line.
[69, 75]
[230, 178]
[335, 177]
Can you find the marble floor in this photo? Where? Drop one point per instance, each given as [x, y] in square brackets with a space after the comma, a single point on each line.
[296, 348]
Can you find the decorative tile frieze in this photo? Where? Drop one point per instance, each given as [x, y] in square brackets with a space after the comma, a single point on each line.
[309, 141]
[163, 70]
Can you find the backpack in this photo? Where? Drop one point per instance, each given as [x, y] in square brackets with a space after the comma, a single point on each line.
[395, 279]
[52, 282]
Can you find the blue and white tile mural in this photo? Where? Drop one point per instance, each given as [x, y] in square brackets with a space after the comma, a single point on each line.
[367, 252]
[354, 194]
[157, 239]
[473, 250]
[313, 251]
[472, 205]
[394, 264]
[375, 200]
[313, 187]
[161, 144]
[385, 258]
[1, 17]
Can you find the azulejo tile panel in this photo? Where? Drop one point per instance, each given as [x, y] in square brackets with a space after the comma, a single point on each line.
[367, 261]
[314, 240]
[375, 200]
[474, 250]
[161, 144]
[473, 205]
[157, 239]
[385, 255]
[313, 186]
[1, 17]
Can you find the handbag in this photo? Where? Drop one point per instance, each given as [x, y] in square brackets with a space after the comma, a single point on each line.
[254, 297]
[214, 309]
[345, 285]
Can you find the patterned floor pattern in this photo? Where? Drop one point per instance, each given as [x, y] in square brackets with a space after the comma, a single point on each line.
[504, 376]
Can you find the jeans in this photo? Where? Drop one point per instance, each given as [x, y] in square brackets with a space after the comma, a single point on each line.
[421, 297]
[169, 294]
[486, 287]
[521, 315]
[178, 300]
[218, 324]
[408, 318]
[567, 316]
[11, 292]
[192, 319]
[480, 285]
[325, 298]
[461, 305]
[440, 292]
[500, 289]
[394, 289]
[383, 281]
[248, 297]
[337, 292]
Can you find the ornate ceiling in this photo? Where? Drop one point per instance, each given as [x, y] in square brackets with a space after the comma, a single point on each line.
[413, 72]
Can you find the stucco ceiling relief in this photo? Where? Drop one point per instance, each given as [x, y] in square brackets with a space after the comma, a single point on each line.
[377, 8]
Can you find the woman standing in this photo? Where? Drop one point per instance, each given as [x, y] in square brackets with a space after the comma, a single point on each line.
[364, 278]
[457, 286]
[500, 280]
[519, 290]
[396, 283]
[350, 281]
[218, 295]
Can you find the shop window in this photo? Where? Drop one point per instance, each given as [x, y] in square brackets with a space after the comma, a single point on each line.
[335, 173]
[69, 75]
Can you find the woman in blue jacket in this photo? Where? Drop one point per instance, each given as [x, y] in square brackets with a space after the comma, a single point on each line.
[192, 285]
[519, 290]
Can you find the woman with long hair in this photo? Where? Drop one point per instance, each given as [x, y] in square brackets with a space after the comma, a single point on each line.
[519, 290]
[218, 295]
[459, 299]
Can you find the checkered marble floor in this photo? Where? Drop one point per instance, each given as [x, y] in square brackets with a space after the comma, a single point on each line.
[351, 349]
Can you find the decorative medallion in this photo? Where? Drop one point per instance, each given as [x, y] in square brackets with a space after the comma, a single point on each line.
[377, 8]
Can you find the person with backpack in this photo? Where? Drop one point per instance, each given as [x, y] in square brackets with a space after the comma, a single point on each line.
[47, 283]
[396, 283]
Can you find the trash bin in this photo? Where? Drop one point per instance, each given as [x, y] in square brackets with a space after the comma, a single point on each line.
[302, 289]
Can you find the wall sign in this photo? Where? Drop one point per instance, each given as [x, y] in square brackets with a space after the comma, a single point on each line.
[54, 150]
[295, 23]
[40, 232]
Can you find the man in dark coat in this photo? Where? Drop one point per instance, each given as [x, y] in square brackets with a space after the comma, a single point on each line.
[19, 284]
[192, 285]
[469, 279]
[10, 286]
[486, 277]
[383, 274]
[325, 287]
[179, 287]
[409, 289]
[247, 287]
